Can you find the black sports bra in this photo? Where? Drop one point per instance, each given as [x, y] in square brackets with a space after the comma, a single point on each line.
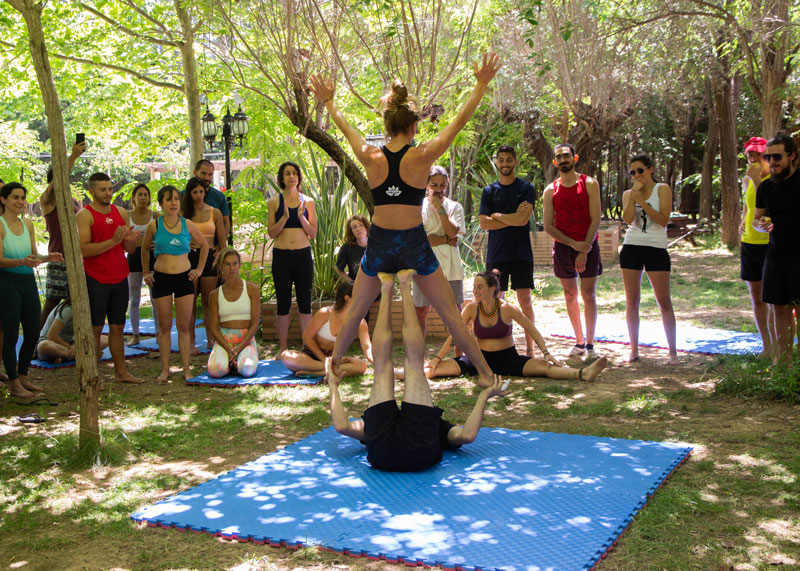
[293, 221]
[393, 190]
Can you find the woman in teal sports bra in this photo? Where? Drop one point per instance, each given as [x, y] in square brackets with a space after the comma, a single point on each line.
[397, 175]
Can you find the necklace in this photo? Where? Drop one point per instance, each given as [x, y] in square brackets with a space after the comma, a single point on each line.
[167, 226]
[494, 310]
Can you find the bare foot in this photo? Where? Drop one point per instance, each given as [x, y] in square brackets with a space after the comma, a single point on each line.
[485, 381]
[17, 390]
[132, 341]
[309, 373]
[163, 377]
[590, 373]
[673, 359]
[126, 377]
[3, 377]
[387, 283]
[29, 385]
[633, 358]
[195, 351]
[404, 276]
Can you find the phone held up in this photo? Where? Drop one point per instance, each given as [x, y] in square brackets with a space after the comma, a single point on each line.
[80, 138]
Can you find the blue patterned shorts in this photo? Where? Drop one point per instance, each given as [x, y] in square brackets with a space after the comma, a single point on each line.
[393, 250]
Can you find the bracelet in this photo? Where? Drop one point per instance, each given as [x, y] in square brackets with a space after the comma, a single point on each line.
[442, 211]
[436, 357]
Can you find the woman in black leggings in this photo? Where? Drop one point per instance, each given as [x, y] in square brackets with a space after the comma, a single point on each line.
[292, 223]
[18, 292]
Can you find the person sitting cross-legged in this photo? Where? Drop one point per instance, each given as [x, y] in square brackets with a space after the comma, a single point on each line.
[491, 317]
[411, 437]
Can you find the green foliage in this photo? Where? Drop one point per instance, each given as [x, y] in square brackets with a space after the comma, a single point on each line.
[751, 376]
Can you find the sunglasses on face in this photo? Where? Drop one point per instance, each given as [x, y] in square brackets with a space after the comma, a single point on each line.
[632, 172]
[777, 157]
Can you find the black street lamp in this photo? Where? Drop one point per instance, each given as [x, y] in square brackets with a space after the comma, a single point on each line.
[233, 126]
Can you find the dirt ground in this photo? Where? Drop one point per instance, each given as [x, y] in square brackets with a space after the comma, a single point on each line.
[727, 427]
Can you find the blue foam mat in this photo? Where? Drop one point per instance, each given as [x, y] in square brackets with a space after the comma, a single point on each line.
[40, 364]
[151, 343]
[512, 500]
[268, 373]
[146, 327]
[690, 339]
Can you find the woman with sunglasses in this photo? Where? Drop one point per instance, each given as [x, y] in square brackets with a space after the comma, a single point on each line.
[646, 208]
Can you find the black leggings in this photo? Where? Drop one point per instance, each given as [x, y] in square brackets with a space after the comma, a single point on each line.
[293, 266]
[20, 304]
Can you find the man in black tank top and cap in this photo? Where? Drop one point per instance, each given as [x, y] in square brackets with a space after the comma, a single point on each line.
[411, 437]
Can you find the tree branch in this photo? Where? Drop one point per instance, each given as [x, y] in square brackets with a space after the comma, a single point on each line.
[126, 30]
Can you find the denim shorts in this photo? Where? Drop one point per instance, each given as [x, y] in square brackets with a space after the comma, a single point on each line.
[393, 250]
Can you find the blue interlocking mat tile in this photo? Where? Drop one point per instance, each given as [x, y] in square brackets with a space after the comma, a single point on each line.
[146, 327]
[268, 373]
[42, 364]
[151, 343]
[689, 339]
[513, 500]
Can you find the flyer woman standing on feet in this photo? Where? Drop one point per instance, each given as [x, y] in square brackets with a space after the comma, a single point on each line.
[172, 275]
[646, 207]
[18, 291]
[397, 175]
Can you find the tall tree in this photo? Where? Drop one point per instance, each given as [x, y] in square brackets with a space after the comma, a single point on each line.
[85, 352]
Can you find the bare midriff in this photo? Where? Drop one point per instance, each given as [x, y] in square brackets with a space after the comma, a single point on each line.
[171, 264]
[292, 239]
[397, 216]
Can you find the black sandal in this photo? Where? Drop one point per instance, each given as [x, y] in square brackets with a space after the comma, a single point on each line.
[32, 418]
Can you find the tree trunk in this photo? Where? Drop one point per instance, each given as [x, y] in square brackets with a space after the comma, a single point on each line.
[709, 158]
[774, 69]
[194, 110]
[724, 99]
[84, 337]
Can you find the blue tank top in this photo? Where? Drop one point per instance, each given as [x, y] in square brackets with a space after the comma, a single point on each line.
[394, 190]
[168, 243]
[293, 221]
[16, 247]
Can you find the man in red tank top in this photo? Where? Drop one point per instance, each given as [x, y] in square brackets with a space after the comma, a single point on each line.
[571, 209]
[105, 235]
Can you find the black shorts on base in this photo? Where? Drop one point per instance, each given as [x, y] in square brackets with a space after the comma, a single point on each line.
[107, 300]
[165, 285]
[406, 439]
[781, 280]
[751, 261]
[647, 258]
[208, 271]
[521, 272]
[503, 362]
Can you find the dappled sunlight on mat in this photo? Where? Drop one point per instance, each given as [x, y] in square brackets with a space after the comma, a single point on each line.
[513, 499]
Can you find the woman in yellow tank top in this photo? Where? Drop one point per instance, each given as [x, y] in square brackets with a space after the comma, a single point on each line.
[754, 244]
[211, 225]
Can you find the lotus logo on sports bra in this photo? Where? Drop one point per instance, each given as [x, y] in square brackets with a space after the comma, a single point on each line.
[393, 191]
[109, 220]
[174, 242]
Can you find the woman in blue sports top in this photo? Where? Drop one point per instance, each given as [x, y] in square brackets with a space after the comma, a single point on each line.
[397, 175]
[292, 223]
[172, 275]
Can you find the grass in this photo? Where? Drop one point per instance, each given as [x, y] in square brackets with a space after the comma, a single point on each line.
[734, 504]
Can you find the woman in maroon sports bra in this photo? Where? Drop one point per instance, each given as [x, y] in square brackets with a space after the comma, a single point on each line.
[491, 319]
[397, 175]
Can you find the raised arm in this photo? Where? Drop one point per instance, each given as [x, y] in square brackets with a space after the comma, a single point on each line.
[48, 196]
[433, 149]
[323, 90]
[466, 434]
[341, 421]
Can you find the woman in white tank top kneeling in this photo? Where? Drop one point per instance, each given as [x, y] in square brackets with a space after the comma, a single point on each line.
[646, 208]
[233, 318]
[319, 337]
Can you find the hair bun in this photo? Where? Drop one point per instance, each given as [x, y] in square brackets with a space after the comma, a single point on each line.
[496, 272]
[397, 96]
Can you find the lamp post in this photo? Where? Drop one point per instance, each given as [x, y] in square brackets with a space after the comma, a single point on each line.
[233, 126]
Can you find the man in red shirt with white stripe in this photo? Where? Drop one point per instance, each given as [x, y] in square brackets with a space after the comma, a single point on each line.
[105, 235]
[572, 216]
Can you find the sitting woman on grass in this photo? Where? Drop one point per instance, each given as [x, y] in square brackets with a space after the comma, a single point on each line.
[491, 319]
[233, 316]
[320, 336]
[57, 340]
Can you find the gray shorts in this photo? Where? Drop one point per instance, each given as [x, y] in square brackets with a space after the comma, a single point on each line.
[56, 281]
[458, 292]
